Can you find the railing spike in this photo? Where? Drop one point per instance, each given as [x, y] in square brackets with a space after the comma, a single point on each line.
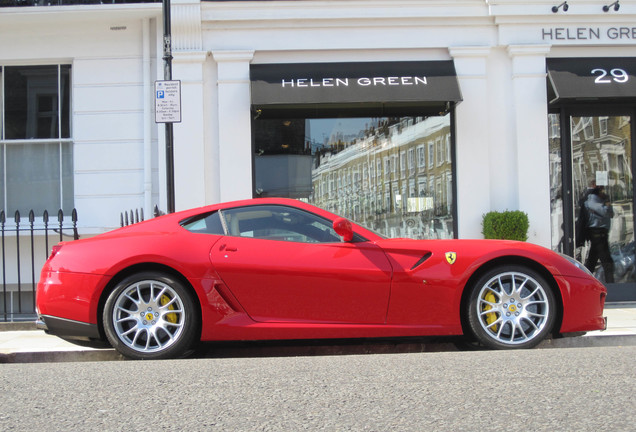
[25, 248]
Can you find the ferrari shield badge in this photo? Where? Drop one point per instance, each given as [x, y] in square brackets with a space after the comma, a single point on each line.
[451, 257]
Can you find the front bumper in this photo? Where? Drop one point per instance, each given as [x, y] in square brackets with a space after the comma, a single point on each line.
[583, 305]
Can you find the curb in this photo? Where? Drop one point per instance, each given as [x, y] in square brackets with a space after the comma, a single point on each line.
[305, 348]
[17, 326]
[60, 356]
[590, 341]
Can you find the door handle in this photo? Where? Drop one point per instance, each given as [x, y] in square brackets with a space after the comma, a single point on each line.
[227, 248]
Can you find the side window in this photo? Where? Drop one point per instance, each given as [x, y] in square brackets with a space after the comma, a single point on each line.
[271, 222]
[206, 224]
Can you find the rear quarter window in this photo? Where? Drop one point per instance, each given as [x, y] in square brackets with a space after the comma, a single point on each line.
[207, 224]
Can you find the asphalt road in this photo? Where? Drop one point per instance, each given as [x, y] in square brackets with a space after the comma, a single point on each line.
[577, 389]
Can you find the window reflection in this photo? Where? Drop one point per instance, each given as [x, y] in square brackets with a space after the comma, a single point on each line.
[556, 184]
[601, 155]
[37, 101]
[391, 174]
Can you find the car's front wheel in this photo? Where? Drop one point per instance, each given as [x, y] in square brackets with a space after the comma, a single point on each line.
[511, 307]
[150, 316]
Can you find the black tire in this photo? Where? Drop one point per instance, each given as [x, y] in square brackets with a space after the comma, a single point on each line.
[151, 315]
[511, 307]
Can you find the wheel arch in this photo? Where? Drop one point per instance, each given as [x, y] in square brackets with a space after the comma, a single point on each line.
[507, 261]
[145, 267]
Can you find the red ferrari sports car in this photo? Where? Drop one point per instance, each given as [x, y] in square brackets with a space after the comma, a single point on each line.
[282, 269]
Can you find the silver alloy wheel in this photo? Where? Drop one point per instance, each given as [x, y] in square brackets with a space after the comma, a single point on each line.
[148, 316]
[512, 308]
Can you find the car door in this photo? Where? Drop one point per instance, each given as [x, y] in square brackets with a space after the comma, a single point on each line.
[284, 264]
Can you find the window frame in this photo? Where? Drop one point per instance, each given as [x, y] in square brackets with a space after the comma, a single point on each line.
[225, 221]
[64, 144]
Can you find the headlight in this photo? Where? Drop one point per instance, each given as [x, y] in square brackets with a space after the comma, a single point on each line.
[577, 264]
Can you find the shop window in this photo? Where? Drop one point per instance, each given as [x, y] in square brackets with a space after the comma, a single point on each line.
[368, 158]
[37, 155]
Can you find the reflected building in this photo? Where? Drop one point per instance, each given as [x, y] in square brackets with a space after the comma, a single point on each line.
[601, 152]
[395, 179]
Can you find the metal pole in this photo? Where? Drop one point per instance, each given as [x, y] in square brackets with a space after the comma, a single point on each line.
[167, 72]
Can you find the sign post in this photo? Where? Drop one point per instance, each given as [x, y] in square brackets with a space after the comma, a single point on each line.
[167, 72]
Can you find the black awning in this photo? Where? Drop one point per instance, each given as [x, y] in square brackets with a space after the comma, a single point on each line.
[385, 86]
[590, 79]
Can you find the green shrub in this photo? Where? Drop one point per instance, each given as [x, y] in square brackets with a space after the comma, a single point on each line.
[509, 225]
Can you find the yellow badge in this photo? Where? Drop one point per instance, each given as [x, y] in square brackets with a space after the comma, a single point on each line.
[451, 257]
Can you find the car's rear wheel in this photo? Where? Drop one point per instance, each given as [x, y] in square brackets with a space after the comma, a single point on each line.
[150, 316]
[511, 307]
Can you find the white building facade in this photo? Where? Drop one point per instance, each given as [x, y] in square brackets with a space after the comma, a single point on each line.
[415, 117]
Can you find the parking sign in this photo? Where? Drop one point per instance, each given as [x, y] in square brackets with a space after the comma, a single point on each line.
[168, 101]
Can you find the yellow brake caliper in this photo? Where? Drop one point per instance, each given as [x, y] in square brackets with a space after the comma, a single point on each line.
[490, 317]
[171, 317]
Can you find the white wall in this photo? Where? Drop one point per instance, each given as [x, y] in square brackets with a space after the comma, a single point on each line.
[499, 48]
[109, 117]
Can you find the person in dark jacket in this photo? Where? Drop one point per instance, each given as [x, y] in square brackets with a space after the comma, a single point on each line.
[599, 215]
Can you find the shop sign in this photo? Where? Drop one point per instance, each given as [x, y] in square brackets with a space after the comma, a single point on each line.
[583, 33]
[594, 78]
[337, 83]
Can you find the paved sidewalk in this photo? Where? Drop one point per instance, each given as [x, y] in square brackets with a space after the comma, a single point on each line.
[23, 343]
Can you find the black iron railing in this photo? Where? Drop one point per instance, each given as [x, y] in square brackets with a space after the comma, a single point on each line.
[25, 247]
[134, 216]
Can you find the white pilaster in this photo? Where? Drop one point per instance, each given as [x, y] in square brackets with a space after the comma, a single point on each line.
[531, 132]
[234, 134]
[472, 139]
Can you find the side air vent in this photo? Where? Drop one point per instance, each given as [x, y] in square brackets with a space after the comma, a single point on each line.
[426, 256]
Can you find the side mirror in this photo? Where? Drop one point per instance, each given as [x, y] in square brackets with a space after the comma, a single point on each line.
[343, 228]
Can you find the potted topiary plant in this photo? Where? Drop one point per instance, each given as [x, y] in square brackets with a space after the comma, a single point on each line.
[507, 225]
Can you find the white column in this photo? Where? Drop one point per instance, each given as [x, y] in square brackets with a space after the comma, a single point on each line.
[234, 124]
[189, 149]
[531, 132]
[472, 140]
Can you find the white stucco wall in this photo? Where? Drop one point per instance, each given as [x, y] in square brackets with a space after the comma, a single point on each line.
[113, 53]
[498, 46]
